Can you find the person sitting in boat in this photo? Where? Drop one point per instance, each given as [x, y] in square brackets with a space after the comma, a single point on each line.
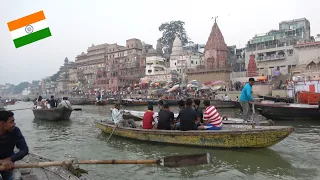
[65, 103]
[11, 137]
[148, 118]
[196, 105]
[226, 98]
[166, 118]
[40, 103]
[52, 102]
[47, 104]
[181, 105]
[211, 118]
[160, 105]
[188, 117]
[117, 118]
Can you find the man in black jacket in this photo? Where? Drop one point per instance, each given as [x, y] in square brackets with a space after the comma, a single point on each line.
[10, 137]
[53, 102]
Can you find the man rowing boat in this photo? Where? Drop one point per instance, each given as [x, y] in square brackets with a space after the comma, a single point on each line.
[10, 137]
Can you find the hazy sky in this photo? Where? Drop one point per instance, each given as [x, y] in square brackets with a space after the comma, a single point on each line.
[77, 24]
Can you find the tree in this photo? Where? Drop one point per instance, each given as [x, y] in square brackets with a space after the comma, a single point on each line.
[20, 87]
[169, 31]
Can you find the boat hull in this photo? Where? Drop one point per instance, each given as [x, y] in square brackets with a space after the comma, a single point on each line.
[246, 137]
[275, 99]
[286, 112]
[53, 114]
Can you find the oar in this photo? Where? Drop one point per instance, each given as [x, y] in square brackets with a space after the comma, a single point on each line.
[115, 127]
[19, 109]
[169, 161]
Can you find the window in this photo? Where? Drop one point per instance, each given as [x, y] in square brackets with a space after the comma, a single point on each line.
[149, 71]
[191, 62]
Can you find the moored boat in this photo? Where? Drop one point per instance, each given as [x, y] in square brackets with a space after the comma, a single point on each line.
[283, 111]
[231, 136]
[277, 99]
[134, 102]
[10, 102]
[138, 116]
[52, 114]
[47, 173]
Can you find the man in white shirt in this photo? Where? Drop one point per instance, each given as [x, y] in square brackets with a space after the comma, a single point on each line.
[65, 103]
[117, 118]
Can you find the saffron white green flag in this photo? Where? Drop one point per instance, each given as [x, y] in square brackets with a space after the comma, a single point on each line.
[29, 29]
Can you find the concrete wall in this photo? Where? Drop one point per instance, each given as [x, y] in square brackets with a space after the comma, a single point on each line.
[308, 54]
[262, 89]
[203, 77]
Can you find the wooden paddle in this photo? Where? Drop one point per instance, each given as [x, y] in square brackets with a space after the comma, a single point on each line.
[75, 109]
[169, 161]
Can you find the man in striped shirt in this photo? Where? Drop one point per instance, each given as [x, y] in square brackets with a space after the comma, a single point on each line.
[211, 118]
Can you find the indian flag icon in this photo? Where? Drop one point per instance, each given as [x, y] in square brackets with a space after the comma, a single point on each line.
[29, 29]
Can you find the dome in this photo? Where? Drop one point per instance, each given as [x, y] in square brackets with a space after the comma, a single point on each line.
[152, 52]
[177, 46]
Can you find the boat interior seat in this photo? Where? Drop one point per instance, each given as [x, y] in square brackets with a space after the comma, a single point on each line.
[30, 177]
[25, 171]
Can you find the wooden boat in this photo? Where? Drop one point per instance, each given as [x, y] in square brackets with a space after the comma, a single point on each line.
[52, 114]
[306, 97]
[231, 136]
[138, 116]
[48, 173]
[277, 99]
[284, 111]
[11, 102]
[134, 102]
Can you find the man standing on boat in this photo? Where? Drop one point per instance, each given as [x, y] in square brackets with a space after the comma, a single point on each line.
[10, 137]
[246, 98]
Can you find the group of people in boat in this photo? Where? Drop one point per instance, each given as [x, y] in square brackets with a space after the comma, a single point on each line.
[191, 117]
[52, 103]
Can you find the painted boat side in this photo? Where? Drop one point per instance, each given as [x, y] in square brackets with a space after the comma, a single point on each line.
[53, 114]
[245, 137]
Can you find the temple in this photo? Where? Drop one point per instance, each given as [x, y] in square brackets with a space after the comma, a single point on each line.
[252, 67]
[216, 50]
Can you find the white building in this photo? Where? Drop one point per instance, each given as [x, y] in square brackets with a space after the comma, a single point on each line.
[275, 49]
[156, 70]
[26, 92]
[181, 60]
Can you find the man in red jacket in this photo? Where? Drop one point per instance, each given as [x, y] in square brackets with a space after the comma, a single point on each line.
[148, 118]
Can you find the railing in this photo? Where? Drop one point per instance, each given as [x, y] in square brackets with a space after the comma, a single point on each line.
[271, 58]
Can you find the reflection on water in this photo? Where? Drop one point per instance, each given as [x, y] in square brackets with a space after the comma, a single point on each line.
[297, 157]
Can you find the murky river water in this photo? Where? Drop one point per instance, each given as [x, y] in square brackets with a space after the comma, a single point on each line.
[297, 157]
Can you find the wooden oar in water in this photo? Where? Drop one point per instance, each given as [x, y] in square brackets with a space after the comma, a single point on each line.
[169, 161]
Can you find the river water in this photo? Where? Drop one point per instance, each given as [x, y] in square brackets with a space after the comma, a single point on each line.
[296, 157]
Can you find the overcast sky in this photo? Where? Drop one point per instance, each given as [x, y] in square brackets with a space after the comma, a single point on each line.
[77, 24]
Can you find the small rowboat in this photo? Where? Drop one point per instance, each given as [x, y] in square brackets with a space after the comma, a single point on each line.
[138, 115]
[52, 114]
[48, 173]
[231, 136]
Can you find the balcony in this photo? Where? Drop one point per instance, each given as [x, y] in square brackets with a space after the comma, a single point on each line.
[271, 58]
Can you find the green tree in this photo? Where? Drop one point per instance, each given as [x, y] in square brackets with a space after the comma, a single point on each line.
[20, 87]
[169, 31]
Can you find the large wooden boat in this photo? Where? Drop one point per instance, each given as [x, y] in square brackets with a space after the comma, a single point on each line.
[284, 111]
[135, 102]
[277, 99]
[138, 116]
[48, 173]
[52, 114]
[231, 136]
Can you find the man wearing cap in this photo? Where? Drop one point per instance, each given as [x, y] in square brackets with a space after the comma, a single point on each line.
[246, 97]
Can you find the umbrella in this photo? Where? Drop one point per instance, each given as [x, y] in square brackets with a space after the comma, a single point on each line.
[173, 88]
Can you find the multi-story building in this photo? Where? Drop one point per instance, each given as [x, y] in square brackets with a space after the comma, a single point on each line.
[275, 49]
[88, 64]
[185, 59]
[63, 76]
[124, 65]
[156, 69]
